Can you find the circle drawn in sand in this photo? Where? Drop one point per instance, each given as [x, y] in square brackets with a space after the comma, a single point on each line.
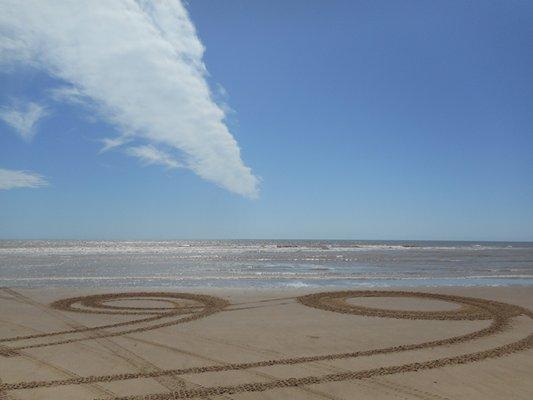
[172, 303]
[469, 308]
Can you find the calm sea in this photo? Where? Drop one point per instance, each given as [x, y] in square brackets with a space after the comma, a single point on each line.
[264, 263]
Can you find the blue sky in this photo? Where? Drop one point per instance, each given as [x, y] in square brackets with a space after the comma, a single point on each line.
[300, 119]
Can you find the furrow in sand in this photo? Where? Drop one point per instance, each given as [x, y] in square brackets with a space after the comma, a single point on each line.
[340, 377]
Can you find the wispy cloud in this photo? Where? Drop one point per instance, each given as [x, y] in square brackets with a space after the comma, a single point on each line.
[12, 179]
[23, 117]
[151, 155]
[141, 65]
[111, 143]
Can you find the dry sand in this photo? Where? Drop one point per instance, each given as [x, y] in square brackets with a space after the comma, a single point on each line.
[430, 343]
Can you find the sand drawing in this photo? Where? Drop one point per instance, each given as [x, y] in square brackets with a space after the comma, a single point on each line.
[183, 307]
[173, 308]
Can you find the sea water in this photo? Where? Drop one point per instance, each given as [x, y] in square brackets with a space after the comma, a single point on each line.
[264, 263]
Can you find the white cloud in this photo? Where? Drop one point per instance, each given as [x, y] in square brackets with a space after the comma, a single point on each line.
[150, 155]
[11, 179]
[23, 118]
[140, 64]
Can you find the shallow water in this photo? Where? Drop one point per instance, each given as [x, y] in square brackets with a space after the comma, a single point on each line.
[265, 263]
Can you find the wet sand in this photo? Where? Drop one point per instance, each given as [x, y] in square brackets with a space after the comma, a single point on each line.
[172, 343]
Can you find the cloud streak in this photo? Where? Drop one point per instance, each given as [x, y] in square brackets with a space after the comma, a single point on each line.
[150, 155]
[23, 118]
[12, 179]
[140, 65]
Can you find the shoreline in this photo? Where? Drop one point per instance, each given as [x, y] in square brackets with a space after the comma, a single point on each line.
[275, 284]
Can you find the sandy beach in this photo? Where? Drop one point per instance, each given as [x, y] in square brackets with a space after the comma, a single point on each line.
[301, 200]
[420, 343]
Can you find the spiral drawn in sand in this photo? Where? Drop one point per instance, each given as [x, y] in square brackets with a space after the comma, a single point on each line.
[500, 314]
[168, 309]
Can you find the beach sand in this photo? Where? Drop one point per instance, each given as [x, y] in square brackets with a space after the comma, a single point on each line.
[266, 344]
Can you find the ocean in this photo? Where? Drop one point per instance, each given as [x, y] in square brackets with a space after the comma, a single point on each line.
[263, 263]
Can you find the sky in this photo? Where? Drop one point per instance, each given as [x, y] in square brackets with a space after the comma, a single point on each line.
[266, 119]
